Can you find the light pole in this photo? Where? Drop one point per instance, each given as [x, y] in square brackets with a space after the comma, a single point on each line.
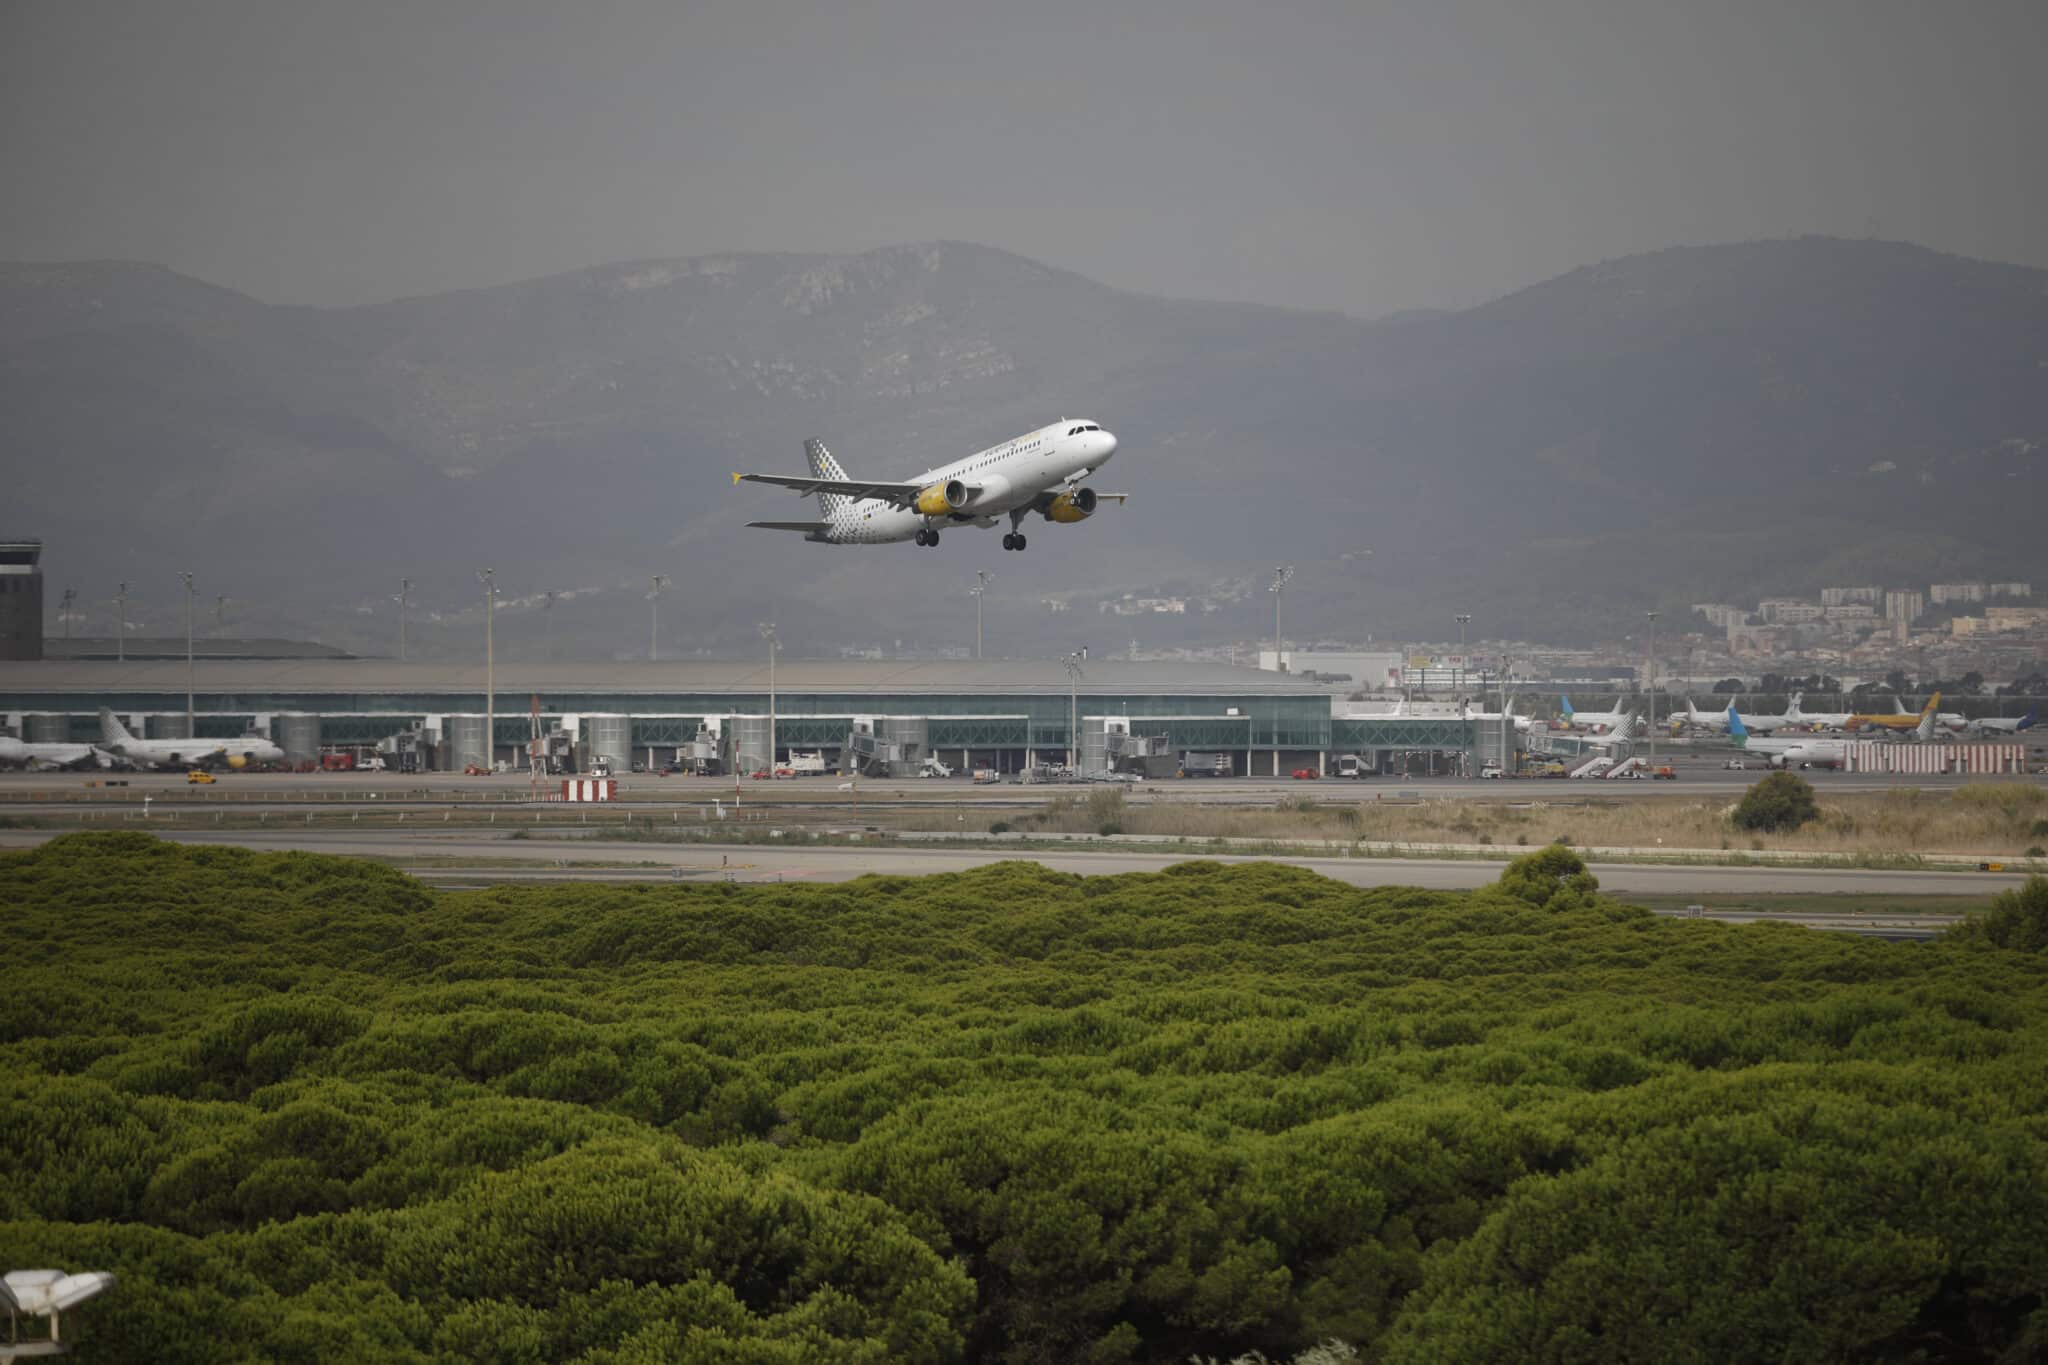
[1281, 573]
[1073, 710]
[1464, 618]
[654, 614]
[191, 732]
[768, 634]
[488, 577]
[982, 578]
[121, 623]
[404, 595]
[1653, 686]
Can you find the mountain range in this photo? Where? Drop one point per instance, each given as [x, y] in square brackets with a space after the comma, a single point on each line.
[1699, 423]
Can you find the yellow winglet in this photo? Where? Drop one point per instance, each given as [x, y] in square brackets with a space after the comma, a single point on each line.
[735, 478]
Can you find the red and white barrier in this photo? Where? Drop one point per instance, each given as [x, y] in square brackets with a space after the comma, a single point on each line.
[589, 788]
[1989, 760]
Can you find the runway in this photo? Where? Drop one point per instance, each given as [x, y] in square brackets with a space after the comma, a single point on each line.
[474, 859]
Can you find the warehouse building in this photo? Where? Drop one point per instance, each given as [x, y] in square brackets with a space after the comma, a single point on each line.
[1000, 714]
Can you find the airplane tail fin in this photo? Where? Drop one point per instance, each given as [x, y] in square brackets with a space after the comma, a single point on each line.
[1567, 704]
[823, 466]
[2026, 722]
[1925, 729]
[1736, 729]
[112, 731]
[1932, 702]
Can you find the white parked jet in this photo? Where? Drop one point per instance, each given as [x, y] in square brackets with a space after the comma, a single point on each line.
[1806, 751]
[1521, 723]
[184, 753]
[1718, 720]
[2001, 725]
[1597, 720]
[1819, 720]
[17, 753]
[1041, 471]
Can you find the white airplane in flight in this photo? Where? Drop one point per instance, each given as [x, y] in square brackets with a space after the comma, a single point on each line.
[184, 753]
[1041, 471]
[1597, 720]
[17, 753]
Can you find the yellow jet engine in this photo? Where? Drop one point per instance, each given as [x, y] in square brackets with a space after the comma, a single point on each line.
[1076, 504]
[942, 499]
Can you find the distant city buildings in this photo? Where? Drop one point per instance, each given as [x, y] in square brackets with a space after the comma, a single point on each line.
[1842, 597]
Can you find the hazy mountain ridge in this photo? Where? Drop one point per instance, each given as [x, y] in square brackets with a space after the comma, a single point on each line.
[1625, 423]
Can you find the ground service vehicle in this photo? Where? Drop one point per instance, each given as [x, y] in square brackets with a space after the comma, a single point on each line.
[1306, 774]
[1193, 764]
[1490, 770]
[1665, 774]
[933, 768]
[337, 763]
[199, 777]
[1354, 766]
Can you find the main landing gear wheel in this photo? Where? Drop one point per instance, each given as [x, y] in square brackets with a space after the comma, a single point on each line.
[927, 537]
[1013, 541]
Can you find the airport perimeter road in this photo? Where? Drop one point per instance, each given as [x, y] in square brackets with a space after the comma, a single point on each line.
[468, 858]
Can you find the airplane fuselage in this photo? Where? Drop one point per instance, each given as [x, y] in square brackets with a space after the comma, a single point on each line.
[1011, 477]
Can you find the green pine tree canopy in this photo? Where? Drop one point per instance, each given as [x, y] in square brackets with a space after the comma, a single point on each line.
[307, 1109]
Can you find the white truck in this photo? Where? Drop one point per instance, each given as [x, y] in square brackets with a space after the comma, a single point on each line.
[810, 764]
[933, 768]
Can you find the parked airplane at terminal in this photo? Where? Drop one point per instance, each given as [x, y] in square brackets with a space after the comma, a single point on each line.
[184, 753]
[17, 753]
[1041, 471]
[1718, 720]
[2001, 725]
[1521, 723]
[1597, 720]
[1819, 720]
[1897, 720]
[1806, 750]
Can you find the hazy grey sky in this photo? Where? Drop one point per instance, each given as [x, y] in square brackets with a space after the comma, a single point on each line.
[1359, 156]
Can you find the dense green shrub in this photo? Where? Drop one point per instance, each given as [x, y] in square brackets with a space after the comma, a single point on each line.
[307, 1110]
[1780, 801]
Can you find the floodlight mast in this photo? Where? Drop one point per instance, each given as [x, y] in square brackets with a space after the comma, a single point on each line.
[1281, 573]
[982, 578]
[404, 595]
[191, 730]
[768, 634]
[488, 577]
[1653, 685]
[661, 580]
[1073, 663]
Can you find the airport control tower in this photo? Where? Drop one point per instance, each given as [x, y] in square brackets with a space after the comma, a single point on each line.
[21, 598]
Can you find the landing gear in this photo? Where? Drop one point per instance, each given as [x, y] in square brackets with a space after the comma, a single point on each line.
[1013, 540]
[927, 537]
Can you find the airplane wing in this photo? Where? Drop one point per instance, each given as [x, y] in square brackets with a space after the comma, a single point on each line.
[809, 528]
[894, 493]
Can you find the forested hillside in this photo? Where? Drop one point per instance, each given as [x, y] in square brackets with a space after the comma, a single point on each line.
[1702, 423]
[308, 1110]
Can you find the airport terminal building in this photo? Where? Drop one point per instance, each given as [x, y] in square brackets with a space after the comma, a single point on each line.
[879, 715]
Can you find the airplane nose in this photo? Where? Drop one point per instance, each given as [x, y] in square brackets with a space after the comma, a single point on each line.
[1108, 445]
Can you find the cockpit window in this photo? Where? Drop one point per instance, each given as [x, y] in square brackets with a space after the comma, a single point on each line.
[1073, 431]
